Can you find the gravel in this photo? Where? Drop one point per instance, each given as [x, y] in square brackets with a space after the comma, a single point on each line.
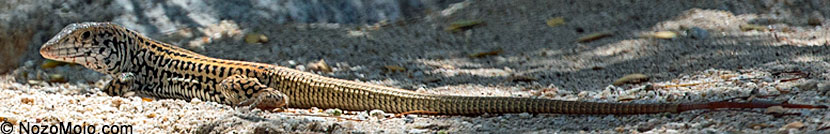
[717, 61]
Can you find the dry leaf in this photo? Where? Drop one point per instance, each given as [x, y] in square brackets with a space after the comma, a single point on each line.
[594, 36]
[462, 25]
[393, 68]
[553, 22]
[256, 38]
[750, 27]
[665, 35]
[488, 53]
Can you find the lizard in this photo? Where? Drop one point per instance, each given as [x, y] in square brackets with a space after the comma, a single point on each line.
[141, 65]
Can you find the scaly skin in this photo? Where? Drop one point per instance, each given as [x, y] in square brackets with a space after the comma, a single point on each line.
[146, 66]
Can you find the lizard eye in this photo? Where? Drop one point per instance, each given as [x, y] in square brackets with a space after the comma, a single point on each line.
[85, 35]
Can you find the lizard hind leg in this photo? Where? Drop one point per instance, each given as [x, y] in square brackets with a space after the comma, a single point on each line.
[245, 91]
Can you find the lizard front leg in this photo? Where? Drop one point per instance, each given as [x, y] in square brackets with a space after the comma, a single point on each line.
[121, 84]
[247, 91]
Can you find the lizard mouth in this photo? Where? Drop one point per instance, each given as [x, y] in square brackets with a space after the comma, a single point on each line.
[67, 52]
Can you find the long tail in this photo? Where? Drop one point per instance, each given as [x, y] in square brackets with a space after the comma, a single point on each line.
[307, 90]
[717, 105]
[480, 105]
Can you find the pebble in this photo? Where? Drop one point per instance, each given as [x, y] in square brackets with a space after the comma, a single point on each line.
[631, 79]
[698, 33]
[525, 115]
[320, 66]
[808, 85]
[57, 78]
[805, 112]
[27, 100]
[422, 125]
[334, 112]
[794, 125]
[377, 114]
[775, 110]
[409, 119]
[815, 19]
[418, 131]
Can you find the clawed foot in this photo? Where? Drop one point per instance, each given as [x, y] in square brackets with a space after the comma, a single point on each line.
[266, 101]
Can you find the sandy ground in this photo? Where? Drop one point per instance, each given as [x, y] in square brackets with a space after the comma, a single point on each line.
[785, 58]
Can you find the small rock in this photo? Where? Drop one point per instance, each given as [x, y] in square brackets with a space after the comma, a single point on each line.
[550, 92]
[418, 131]
[805, 112]
[57, 78]
[334, 112]
[794, 125]
[34, 82]
[698, 33]
[767, 79]
[255, 38]
[300, 67]
[195, 101]
[117, 103]
[751, 27]
[26, 100]
[823, 86]
[583, 94]
[264, 128]
[759, 126]
[626, 97]
[29, 63]
[500, 59]
[151, 115]
[645, 128]
[775, 110]
[808, 85]
[525, 115]
[423, 125]
[631, 79]
[409, 118]
[815, 19]
[377, 113]
[320, 66]
[393, 68]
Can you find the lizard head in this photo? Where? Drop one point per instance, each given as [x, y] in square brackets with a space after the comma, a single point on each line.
[95, 45]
